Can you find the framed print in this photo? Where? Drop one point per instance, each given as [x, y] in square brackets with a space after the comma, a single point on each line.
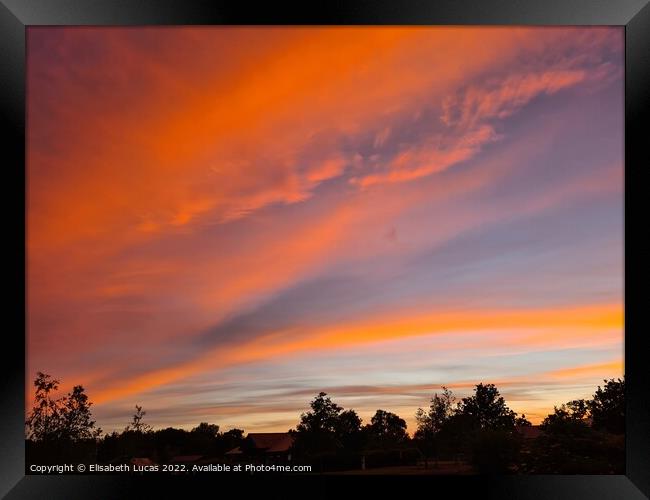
[326, 248]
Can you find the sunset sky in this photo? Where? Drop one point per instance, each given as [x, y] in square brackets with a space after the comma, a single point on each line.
[224, 221]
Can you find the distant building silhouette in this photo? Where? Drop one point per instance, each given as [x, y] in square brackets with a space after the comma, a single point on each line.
[267, 447]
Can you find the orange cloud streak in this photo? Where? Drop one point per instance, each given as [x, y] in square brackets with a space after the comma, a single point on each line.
[281, 344]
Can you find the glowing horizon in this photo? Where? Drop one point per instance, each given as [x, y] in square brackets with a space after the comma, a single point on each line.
[223, 222]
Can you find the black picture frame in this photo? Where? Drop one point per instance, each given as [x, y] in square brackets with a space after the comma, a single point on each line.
[17, 15]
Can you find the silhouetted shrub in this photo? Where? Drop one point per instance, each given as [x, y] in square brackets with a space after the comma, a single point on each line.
[494, 451]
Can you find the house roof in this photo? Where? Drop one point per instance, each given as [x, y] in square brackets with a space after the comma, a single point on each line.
[271, 442]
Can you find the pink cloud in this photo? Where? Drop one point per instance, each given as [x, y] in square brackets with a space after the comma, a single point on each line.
[332, 167]
[503, 98]
[469, 115]
[422, 161]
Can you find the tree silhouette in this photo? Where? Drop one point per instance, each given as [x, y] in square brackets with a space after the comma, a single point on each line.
[580, 437]
[203, 438]
[522, 421]
[77, 422]
[608, 407]
[348, 430]
[136, 424]
[569, 418]
[487, 409]
[206, 429]
[235, 434]
[44, 420]
[326, 427]
[440, 410]
[231, 439]
[387, 429]
[322, 417]
[66, 418]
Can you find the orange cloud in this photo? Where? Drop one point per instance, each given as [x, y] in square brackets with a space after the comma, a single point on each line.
[207, 133]
[597, 370]
[410, 165]
[467, 116]
[279, 344]
[506, 97]
[330, 168]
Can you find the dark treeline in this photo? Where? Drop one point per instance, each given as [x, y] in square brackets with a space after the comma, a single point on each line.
[477, 433]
